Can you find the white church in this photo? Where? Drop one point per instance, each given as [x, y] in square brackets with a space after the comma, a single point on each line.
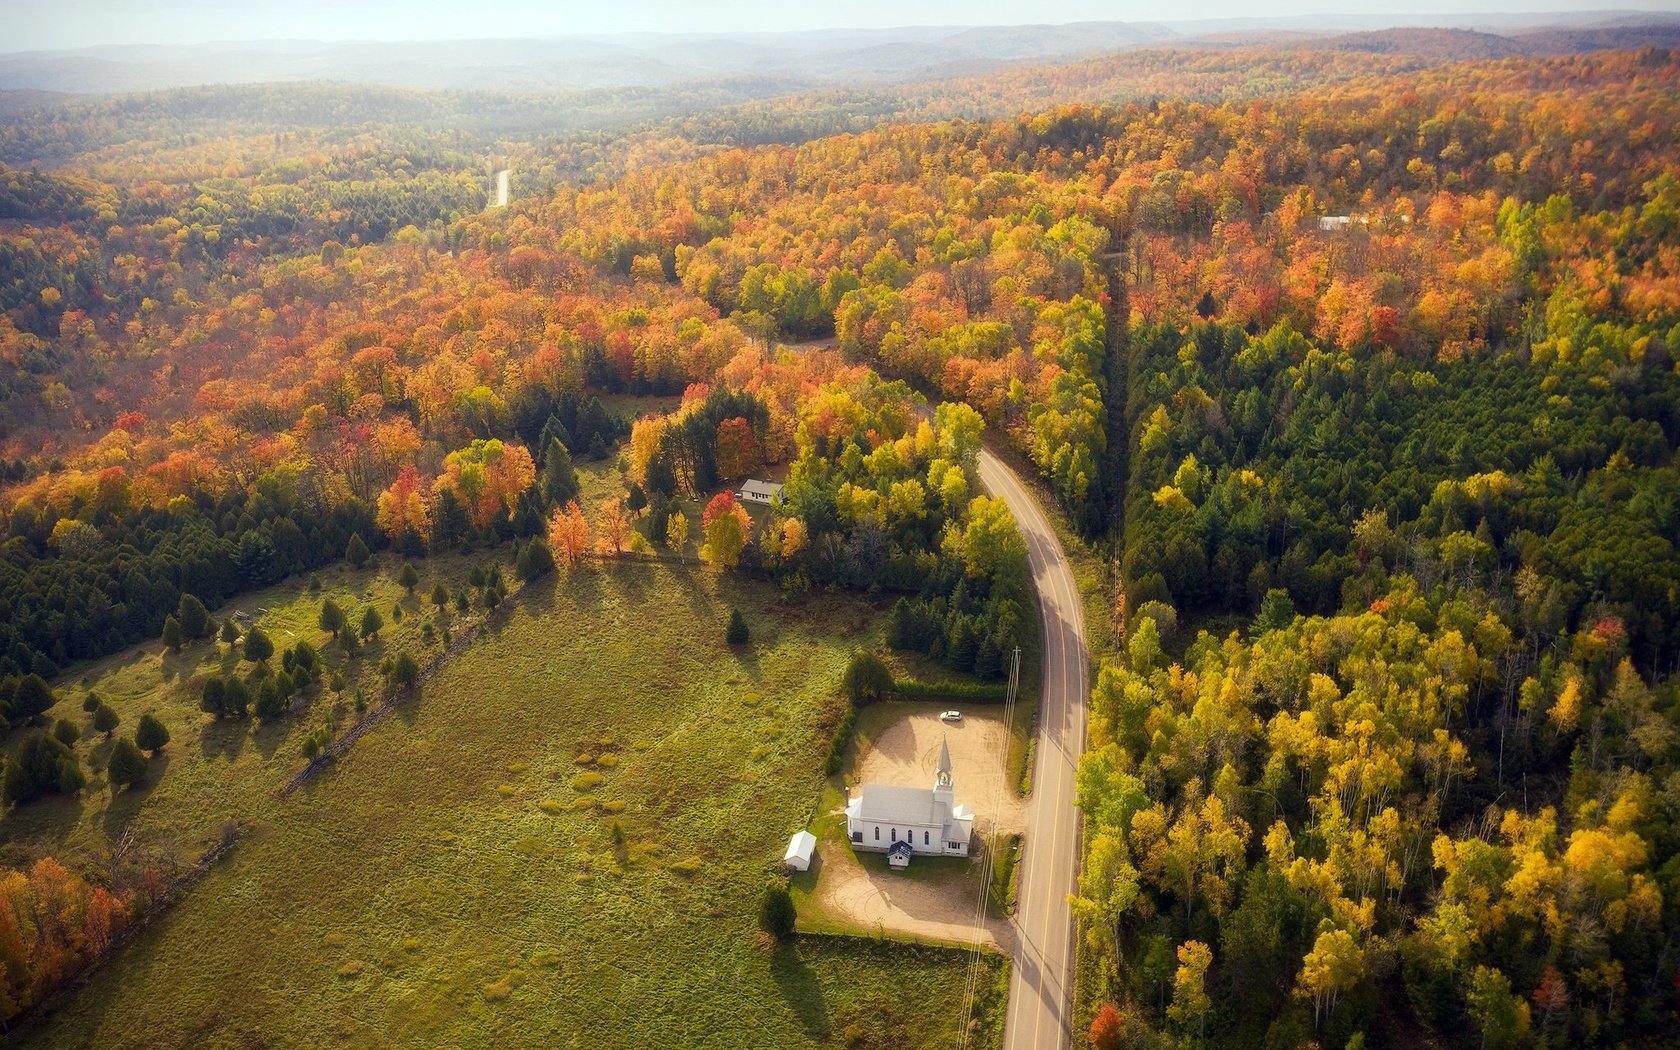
[904, 821]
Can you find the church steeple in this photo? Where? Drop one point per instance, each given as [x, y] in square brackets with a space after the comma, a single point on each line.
[942, 782]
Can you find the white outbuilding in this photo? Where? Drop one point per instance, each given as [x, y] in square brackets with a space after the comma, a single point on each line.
[801, 848]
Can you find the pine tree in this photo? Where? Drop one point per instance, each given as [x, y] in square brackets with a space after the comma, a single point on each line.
[371, 623]
[126, 767]
[776, 914]
[736, 633]
[356, 551]
[230, 631]
[408, 576]
[150, 735]
[105, 719]
[195, 619]
[172, 634]
[257, 646]
[331, 618]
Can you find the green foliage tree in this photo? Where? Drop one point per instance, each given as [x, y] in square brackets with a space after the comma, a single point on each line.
[213, 698]
[867, 677]
[736, 633]
[371, 623]
[32, 698]
[331, 618]
[105, 719]
[408, 576]
[440, 595]
[230, 631]
[776, 913]
[67, 732]
[257, 646]
[196, 621]
[150, 735]
[42, 766]
[404, 671]
[535, 560]
[127, 766]
[171, 634]
[356, 552]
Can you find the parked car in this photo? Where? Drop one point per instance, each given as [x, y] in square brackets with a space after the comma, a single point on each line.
[950, 716]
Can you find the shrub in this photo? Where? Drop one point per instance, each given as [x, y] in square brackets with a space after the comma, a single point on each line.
[736, 633]
[776, 914]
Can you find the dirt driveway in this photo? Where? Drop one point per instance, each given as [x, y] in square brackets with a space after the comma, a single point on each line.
[904, 751]
[938, 897]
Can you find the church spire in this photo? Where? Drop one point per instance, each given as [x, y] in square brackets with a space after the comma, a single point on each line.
[944, 777]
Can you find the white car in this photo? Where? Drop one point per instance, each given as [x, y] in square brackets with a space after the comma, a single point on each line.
[950, 716]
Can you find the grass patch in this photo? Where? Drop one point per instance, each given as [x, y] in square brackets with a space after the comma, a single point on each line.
[450, 891]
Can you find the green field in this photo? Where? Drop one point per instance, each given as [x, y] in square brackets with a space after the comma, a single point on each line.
[457, 879]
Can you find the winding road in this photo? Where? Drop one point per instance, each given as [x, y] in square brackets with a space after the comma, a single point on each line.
[1041, 979]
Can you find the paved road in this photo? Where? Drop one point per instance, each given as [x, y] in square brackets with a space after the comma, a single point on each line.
[501, 188]
[1041, 981]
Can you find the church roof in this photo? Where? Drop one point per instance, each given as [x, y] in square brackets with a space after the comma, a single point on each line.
[886, 804]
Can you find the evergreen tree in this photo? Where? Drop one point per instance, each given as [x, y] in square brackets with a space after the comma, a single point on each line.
[127, 765]
[42, 766]
[230, 631]
[257, 646]
[559, 476]
[776, 914]
[331, 618]
[67, 732]
[194, 618]
[33, 697]
[213, 700]
[150, 735]
[237, 698]
[171, 634]
[371, 623]
[408, 576]
[440, 595]
[356, 551]
[404, 671]
[535, 561]
[105, 719]
[736, 633]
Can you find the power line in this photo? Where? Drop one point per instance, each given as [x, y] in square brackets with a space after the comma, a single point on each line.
[972, 980]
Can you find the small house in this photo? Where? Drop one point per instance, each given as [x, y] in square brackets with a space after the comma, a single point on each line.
[801, 848]
[756, 491]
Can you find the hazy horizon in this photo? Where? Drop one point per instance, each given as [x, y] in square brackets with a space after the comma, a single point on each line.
[77, 24]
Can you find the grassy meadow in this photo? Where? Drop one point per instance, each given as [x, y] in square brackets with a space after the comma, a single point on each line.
[561, 842]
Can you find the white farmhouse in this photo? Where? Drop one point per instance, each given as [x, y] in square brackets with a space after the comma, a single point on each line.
[914, 820]
[756, 491]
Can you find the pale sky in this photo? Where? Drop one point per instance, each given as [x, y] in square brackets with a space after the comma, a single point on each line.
[51, 24]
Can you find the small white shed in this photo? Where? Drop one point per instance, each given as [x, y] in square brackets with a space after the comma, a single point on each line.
[801, 848]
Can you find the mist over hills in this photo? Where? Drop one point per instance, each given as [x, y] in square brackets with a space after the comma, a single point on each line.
[812, 59]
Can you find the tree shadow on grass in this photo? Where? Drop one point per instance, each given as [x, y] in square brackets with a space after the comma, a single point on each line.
[224, 738]
[802, 989]
[125, 805]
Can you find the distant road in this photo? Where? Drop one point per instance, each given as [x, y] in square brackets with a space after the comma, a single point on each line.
[501, 188]
[1041, 980]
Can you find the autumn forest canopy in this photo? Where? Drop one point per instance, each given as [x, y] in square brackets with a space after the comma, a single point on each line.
[1358, 366]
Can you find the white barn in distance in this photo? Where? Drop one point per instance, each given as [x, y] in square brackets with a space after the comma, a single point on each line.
[914, 820]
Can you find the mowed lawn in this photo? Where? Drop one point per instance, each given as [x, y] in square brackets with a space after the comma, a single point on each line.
[458, 880]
